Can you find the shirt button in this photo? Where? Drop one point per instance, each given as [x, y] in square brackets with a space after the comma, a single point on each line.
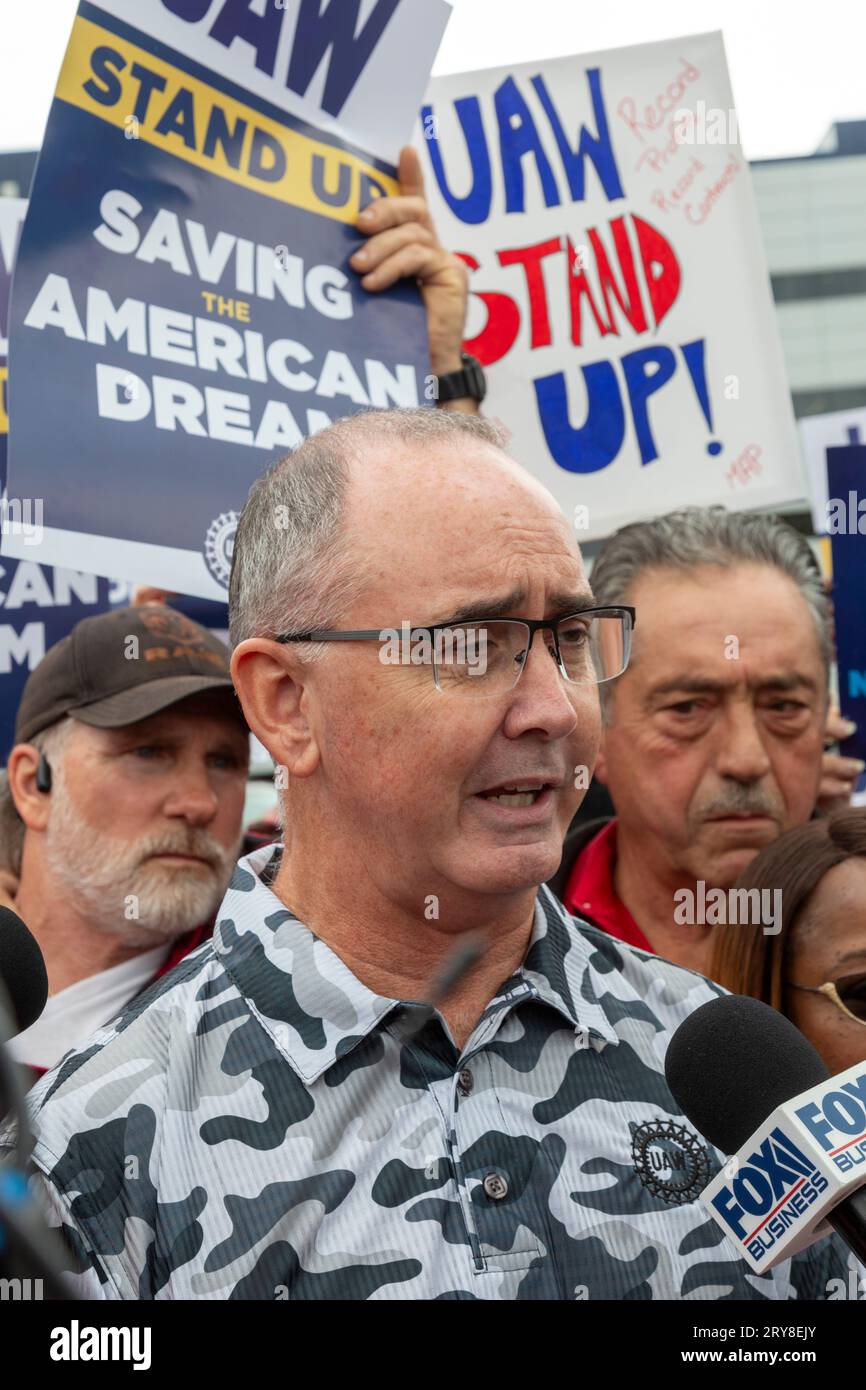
[495, 1186]
[465, 1081]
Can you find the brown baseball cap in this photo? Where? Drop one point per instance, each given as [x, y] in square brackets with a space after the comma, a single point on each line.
[116, 668]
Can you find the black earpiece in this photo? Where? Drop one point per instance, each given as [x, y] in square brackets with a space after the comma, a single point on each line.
[43, 774]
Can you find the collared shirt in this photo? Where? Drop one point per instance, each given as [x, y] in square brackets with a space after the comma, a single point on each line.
[70, 1016]
[590, 890]
[260, 1124]
[73, 1013]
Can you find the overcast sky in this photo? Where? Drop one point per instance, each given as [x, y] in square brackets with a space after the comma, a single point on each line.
[796, 65]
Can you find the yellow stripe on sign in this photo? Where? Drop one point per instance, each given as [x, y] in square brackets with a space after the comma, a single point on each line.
[825, 550]
[113, 79]
[4, 418]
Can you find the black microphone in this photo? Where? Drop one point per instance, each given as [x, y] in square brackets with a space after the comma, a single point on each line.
[23, 992]
[28, 1247]
[730, 1065]
[460, 959]
[22, 972]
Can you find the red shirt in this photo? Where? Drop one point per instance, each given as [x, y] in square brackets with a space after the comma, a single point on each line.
[182, 947]
[590, 890]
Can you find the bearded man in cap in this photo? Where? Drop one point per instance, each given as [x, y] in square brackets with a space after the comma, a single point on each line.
[120, 811]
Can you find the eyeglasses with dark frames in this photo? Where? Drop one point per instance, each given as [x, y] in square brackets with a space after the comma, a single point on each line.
[486, 657]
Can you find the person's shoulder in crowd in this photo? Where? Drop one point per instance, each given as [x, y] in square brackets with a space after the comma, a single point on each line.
[646, 973]
[146, 1015]
[138, 1041]
[167, 1030]
[167, 1051]
[108, 1097]
[642, 987]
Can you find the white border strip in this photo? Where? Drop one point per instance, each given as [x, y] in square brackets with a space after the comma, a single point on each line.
[164, 566]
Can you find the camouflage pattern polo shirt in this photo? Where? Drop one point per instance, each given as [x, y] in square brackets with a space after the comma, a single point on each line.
[261, 1125]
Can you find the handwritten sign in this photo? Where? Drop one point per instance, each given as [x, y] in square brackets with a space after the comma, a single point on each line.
[621, 302]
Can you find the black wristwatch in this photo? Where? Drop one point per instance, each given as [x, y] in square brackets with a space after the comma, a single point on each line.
[468, 383]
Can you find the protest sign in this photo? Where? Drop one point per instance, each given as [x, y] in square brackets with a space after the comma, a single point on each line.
[846, 509]
[12, 212]
[38, 604]
[818, 433]
[622, 304]
[183, 312]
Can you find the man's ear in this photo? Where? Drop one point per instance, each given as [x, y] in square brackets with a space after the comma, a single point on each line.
[600, 772]
[274, 690]
[33, 805]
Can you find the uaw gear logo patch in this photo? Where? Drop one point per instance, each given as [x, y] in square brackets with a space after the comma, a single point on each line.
[670, 1160]
[219, 544]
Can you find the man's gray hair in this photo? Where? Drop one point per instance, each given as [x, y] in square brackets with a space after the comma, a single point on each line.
[49, 741]
[291, 569]
[697, 536]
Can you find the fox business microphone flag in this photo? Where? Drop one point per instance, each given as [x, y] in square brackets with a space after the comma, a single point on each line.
[182, 309]
[621, 302]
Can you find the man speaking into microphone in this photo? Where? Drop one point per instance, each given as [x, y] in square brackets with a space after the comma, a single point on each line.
[301, 1110]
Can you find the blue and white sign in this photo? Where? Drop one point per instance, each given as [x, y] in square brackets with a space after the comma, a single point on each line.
[846, 521]
[620, 297]
[183, 312]
[12, 211]
[38, 604]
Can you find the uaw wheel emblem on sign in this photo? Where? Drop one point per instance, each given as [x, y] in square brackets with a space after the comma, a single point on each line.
[218, 546]
[670, 1160]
